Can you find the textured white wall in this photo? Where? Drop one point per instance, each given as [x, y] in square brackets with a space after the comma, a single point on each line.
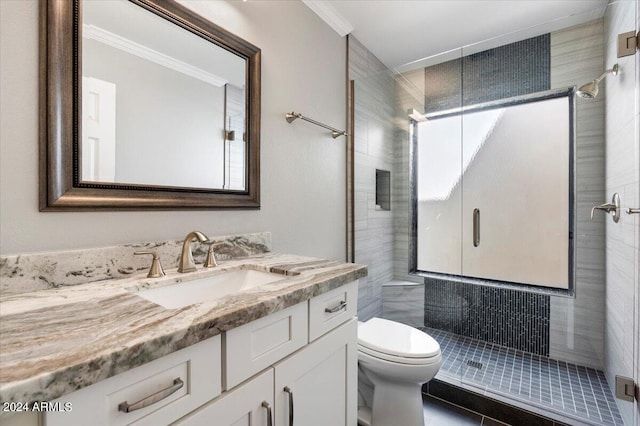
[303, 169]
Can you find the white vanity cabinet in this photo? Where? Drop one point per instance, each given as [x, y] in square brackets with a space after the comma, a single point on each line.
[316, 382]
[301, 360]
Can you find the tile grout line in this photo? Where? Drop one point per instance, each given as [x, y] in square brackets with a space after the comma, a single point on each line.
[593, 392]
[566, 365]
[606, 399]
[581, 388]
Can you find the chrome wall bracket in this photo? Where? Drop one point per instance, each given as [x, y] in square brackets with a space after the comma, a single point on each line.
[626, 389]
[613, 208]
[628, 43]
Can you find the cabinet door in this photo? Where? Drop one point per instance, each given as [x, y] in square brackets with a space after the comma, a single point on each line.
[319, 383]
[250, 404]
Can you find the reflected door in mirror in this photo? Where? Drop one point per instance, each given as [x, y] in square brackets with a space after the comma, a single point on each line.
[158, 103]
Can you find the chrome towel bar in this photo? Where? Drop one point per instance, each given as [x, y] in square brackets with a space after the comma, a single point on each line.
[290, 117]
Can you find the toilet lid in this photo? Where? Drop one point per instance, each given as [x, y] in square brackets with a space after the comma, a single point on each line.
[394, 338]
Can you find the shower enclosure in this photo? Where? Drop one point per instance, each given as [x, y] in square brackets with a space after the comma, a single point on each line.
[487, 241]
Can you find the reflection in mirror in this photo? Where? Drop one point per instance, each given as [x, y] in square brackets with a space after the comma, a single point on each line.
[145, 105]
[154, 98]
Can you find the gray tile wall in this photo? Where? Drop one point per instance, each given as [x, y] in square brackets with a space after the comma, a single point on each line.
[622, 129]
[577, 324]
[409, 92]
[403, 301]
[373, 149]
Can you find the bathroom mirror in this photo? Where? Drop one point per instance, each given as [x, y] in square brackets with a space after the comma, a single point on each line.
[145, 104]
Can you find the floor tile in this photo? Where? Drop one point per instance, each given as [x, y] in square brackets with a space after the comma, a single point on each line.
[440, 413]
[578, 392]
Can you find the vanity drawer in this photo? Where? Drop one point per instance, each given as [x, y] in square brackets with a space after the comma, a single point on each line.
[331, 309]
[257, 345]
[194, 374]
[251, 403]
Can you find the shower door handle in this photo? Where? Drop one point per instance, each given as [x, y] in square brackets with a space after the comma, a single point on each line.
[476, 227]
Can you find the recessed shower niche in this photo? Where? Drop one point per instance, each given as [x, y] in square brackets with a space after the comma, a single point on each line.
[383, 190]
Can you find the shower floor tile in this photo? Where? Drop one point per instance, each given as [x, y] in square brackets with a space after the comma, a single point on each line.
[568, 389]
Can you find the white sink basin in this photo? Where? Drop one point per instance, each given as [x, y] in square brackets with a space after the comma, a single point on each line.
[209, 288]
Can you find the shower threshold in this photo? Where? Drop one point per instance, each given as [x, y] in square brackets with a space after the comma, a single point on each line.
[566, 392]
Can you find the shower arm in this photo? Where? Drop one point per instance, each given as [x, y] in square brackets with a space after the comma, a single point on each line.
[613, 71]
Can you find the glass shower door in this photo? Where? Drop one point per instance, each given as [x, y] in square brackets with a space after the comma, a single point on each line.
[515, 197]
[493, 190]
[439, 196]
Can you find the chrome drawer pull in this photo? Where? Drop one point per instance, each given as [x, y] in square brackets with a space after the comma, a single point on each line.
[341, 306]
[288, 390]
[266, 405]
[151, 399]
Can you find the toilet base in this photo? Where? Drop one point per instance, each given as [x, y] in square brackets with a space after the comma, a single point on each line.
[364, 416]
[397, 404]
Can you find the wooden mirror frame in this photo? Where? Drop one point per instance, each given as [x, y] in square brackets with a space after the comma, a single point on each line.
[59, 109]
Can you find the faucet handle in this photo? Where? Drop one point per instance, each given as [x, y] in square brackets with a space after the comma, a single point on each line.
[613, 208]
[607, 207]
[155, 271]
[210, 261]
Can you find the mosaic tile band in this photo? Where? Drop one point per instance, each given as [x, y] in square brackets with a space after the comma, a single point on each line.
[511, 70]
[503, 316]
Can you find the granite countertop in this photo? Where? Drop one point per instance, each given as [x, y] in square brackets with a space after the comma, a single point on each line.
[55, 341]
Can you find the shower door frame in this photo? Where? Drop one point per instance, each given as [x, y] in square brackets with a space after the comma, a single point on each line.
[570, 93]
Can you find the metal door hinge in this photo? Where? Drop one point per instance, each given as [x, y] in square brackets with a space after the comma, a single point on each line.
[628, 43]
[626, 389]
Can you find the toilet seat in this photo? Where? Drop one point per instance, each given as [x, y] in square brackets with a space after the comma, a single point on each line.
[398, 359]
[396, 342]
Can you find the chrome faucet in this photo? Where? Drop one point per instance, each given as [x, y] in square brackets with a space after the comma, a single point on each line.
[186, 259]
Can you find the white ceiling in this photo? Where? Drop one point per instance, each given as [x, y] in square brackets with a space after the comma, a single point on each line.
[400, 32]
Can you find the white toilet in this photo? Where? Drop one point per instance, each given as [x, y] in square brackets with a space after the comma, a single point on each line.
[394, 360]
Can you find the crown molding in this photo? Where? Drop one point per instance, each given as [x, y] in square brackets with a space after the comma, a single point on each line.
[118, 42]
[330, 15]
